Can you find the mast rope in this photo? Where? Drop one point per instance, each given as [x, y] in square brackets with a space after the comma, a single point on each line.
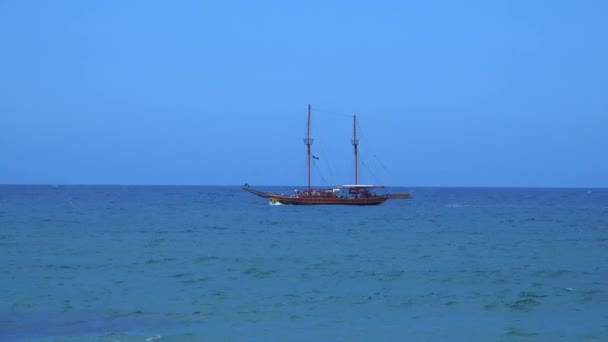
[333, 113]
[375, 178]
[382, 165]
[318, 170]
[327, 161]
[368, 142]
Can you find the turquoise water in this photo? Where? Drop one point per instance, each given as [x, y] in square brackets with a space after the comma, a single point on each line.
[215, 263]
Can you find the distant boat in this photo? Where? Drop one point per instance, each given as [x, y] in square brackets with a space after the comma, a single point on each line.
[354, 194]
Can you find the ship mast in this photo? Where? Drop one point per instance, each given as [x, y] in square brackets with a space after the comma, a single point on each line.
[355, 142]
[308, 141]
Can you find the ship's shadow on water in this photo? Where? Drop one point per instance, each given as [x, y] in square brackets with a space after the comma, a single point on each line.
[216, 263]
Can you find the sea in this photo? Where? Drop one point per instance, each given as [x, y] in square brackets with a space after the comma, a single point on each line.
[215, 263]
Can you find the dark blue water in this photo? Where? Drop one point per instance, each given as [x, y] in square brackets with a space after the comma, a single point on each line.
[215, 263]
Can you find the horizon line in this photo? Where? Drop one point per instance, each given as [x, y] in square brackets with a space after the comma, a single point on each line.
[292, 185]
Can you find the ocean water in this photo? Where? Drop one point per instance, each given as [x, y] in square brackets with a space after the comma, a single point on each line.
[162, 263]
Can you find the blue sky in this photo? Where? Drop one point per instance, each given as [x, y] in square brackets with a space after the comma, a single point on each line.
[448, 93]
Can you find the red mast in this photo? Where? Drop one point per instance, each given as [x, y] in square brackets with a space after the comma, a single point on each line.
[355, 142]
[308, 141]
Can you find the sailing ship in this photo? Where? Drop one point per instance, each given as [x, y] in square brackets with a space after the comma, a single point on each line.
[354, 194]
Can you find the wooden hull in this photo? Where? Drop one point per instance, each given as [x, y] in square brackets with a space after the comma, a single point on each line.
[327, 200]
[316, 200]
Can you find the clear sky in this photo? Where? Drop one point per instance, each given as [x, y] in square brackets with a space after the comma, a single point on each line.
[448, 93]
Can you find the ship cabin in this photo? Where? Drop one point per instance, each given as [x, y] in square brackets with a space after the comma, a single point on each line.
[361, 191]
